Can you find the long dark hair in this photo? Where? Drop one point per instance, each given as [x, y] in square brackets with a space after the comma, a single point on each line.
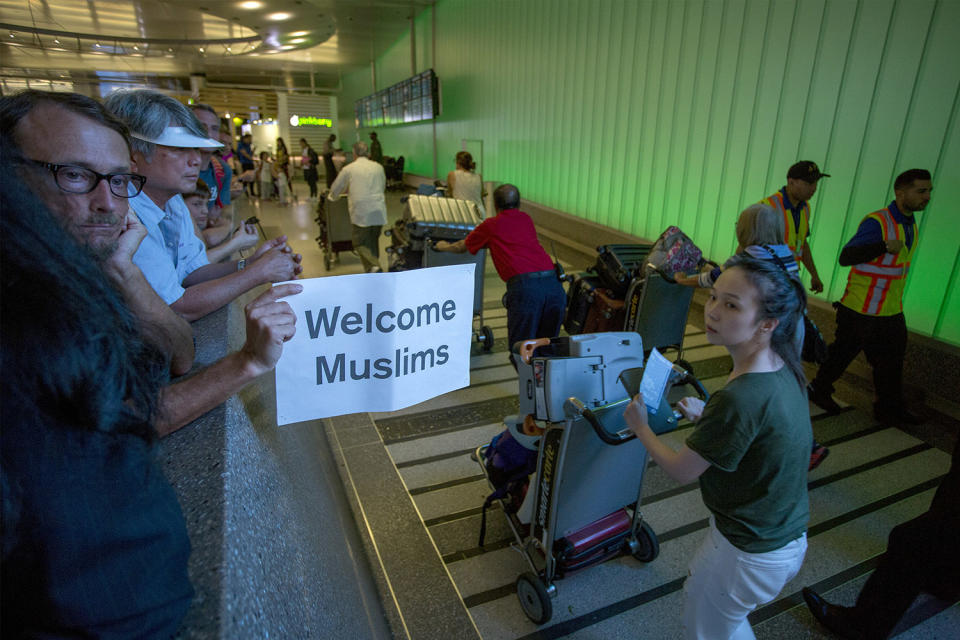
[73, 354]
[781, 297]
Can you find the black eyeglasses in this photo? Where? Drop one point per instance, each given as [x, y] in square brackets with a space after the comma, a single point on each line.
[74, 179]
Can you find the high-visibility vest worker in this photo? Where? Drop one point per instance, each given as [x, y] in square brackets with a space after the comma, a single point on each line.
[876, 288]
[870, 314]
[793, 203]
[796, 230]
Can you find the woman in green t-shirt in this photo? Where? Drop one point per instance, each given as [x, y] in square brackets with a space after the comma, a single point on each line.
[750, 451]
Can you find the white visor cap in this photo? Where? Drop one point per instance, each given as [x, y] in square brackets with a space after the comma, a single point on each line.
[180, 137]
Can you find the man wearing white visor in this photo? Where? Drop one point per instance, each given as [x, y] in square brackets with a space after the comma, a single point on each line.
[165, 142]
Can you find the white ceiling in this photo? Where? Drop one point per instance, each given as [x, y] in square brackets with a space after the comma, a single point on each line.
[163, 42]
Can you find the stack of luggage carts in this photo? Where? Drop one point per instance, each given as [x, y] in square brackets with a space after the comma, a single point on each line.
[631, 288]
[427, 219]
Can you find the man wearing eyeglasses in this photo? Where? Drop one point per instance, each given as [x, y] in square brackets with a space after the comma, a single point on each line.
[165, 145]
[77, 161]
[76, 158]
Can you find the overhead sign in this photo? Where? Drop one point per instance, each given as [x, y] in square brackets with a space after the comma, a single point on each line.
[310, 121]
[376, 342]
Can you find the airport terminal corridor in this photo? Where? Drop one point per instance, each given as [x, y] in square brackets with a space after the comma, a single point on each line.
[420, 515]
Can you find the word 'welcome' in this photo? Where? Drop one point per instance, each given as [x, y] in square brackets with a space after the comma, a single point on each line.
[384, 321]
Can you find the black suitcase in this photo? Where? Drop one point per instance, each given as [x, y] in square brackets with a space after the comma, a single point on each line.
[580, 297]
[617, 264]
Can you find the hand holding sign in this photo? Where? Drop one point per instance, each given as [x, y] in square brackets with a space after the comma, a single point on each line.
[270, 323]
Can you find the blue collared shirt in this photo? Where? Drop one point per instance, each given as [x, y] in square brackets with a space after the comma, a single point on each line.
[153, 258]
[794, 210]
[870, 232]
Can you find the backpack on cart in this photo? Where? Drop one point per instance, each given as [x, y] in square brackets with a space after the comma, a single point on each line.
[618, 264]
[674, 252]
[509, 465]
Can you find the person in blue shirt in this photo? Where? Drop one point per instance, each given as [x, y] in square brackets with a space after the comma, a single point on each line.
[217, 175]
[247, 161]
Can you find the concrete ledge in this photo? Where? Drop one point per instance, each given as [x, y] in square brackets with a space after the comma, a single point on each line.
[275, 548]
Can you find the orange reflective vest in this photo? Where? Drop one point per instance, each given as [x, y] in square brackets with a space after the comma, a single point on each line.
[875, 288]
[795, 234]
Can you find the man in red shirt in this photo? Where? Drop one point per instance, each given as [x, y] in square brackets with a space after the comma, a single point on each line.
[535, 301]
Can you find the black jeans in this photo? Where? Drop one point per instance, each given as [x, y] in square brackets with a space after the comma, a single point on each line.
[311, 176]
[922, 555]
[884, 341]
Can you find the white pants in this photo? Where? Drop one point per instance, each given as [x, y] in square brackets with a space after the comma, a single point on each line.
[725, 584]
[282, 187]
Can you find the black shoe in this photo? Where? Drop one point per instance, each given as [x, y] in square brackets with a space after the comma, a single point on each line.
[823, 400]
[833, 617]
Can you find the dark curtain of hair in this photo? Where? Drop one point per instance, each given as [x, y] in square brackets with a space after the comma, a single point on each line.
[72, 352]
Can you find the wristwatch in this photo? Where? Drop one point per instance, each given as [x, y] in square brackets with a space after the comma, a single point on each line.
[241, 263]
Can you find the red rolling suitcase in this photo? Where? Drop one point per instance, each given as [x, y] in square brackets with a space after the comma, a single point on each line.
[594, 543]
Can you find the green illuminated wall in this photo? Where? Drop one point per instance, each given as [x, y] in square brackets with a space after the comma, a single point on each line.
[640, 114]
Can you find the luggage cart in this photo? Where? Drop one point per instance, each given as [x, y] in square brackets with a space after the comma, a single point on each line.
[336, 232]
[427, 219]
[657, 309]
[587, 488]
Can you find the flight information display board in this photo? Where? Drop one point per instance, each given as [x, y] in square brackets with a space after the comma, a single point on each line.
[411, 100]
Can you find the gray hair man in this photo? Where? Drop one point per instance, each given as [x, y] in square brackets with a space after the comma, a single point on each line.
[365, 182]
[165, 143]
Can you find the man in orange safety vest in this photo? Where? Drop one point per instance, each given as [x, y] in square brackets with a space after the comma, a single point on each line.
[870, 314]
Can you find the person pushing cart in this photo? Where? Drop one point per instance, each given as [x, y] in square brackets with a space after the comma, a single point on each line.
[535, 299]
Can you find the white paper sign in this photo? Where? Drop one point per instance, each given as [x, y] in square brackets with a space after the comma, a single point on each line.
[654, 382]
[376, 342]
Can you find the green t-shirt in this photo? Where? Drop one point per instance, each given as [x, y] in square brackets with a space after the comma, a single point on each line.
[756, 435]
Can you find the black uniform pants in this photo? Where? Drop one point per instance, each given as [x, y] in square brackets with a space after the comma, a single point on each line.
[922, 555]
[884, 341]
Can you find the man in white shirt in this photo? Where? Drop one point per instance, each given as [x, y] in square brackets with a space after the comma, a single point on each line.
[165, 143]
[365, 181]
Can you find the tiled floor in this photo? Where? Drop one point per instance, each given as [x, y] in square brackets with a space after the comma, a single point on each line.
[874, 478]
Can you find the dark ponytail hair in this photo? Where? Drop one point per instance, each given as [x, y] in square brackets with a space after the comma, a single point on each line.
[781, 297]
[465, 160]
